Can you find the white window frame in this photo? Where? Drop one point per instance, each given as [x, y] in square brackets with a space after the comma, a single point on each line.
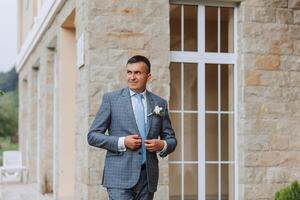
[201, 58]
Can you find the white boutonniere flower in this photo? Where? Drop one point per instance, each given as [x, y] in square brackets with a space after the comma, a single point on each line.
[157, 111]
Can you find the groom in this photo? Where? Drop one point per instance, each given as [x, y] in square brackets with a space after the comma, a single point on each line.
[138, 127]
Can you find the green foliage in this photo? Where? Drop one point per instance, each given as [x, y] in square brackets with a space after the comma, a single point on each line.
[8, 80]
[291, 192]
[8, 103]
[9, 114]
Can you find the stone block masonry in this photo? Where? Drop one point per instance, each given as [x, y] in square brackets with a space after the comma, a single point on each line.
[269, 46]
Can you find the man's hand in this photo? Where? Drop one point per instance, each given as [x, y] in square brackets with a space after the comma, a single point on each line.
[133, 141]
[154, 145]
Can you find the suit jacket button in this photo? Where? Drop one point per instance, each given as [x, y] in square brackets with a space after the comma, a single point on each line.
[140, 153]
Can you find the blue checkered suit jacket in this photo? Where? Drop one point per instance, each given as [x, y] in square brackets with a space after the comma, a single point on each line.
[122, 169]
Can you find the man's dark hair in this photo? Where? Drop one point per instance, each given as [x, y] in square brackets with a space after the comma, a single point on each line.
[139, 58]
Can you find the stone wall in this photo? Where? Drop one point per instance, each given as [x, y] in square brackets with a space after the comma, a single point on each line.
[31, 140]
[117, 30]
[45, 128]
[269, 100]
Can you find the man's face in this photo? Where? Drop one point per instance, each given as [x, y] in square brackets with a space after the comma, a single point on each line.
[137, 76]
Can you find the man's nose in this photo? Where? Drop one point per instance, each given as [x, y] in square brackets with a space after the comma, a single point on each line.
[132, 76]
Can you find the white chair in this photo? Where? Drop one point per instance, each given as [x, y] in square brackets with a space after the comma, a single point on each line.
[12, 169]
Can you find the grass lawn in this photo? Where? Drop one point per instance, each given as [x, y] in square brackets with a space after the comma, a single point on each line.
[5, 145]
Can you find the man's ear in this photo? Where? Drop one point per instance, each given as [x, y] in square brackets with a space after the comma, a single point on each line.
[149, 77]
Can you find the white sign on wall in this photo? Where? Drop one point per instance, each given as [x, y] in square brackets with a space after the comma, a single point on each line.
[80, 51]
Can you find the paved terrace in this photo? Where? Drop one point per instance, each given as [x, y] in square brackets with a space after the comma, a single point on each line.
[20, 191]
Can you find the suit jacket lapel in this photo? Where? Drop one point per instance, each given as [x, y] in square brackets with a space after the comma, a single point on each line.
[128, 104]
[150, 107]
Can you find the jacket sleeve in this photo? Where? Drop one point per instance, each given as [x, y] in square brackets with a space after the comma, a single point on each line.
[167, 133]
[96, 136]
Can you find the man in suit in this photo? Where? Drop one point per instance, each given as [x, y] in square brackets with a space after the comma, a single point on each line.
[139, 128]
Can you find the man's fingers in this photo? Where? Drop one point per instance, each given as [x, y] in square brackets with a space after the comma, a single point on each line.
[153, 145]
[135, 136]
[133, 141]
[149, 145]
[151, 149]
[136, 141]
[148, 141]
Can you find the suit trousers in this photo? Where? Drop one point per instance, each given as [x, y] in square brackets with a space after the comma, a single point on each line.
[138, 192]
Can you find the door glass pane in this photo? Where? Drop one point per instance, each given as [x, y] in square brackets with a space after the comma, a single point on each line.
[211, 182]
[175, 182]
[175, 27]
[211, 87]
[176, 124]
[175, 99]
[211, 29]
[227, 184]
[190, 137]
[190, 28]
[211, 137]
[219, 87]
[227, 30]
[227, 89]
[190, 86]
[227, 137]
[190, 182]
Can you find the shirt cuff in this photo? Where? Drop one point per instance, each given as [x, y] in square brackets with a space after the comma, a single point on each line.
[121, 144]
[164, 149]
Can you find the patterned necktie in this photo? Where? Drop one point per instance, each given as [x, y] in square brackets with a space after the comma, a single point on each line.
[140, 119]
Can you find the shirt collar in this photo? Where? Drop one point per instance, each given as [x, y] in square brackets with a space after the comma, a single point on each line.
[133, 93]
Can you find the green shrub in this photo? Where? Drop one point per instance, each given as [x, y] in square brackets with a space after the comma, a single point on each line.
[291, 192]
[9, 114]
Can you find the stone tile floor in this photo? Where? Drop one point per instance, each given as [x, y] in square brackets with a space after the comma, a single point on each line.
[20, 191]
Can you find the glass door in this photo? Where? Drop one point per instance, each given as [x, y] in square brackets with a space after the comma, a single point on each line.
[202, 106]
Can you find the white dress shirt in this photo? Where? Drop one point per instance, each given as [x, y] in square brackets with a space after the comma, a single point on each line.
[121, 141]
